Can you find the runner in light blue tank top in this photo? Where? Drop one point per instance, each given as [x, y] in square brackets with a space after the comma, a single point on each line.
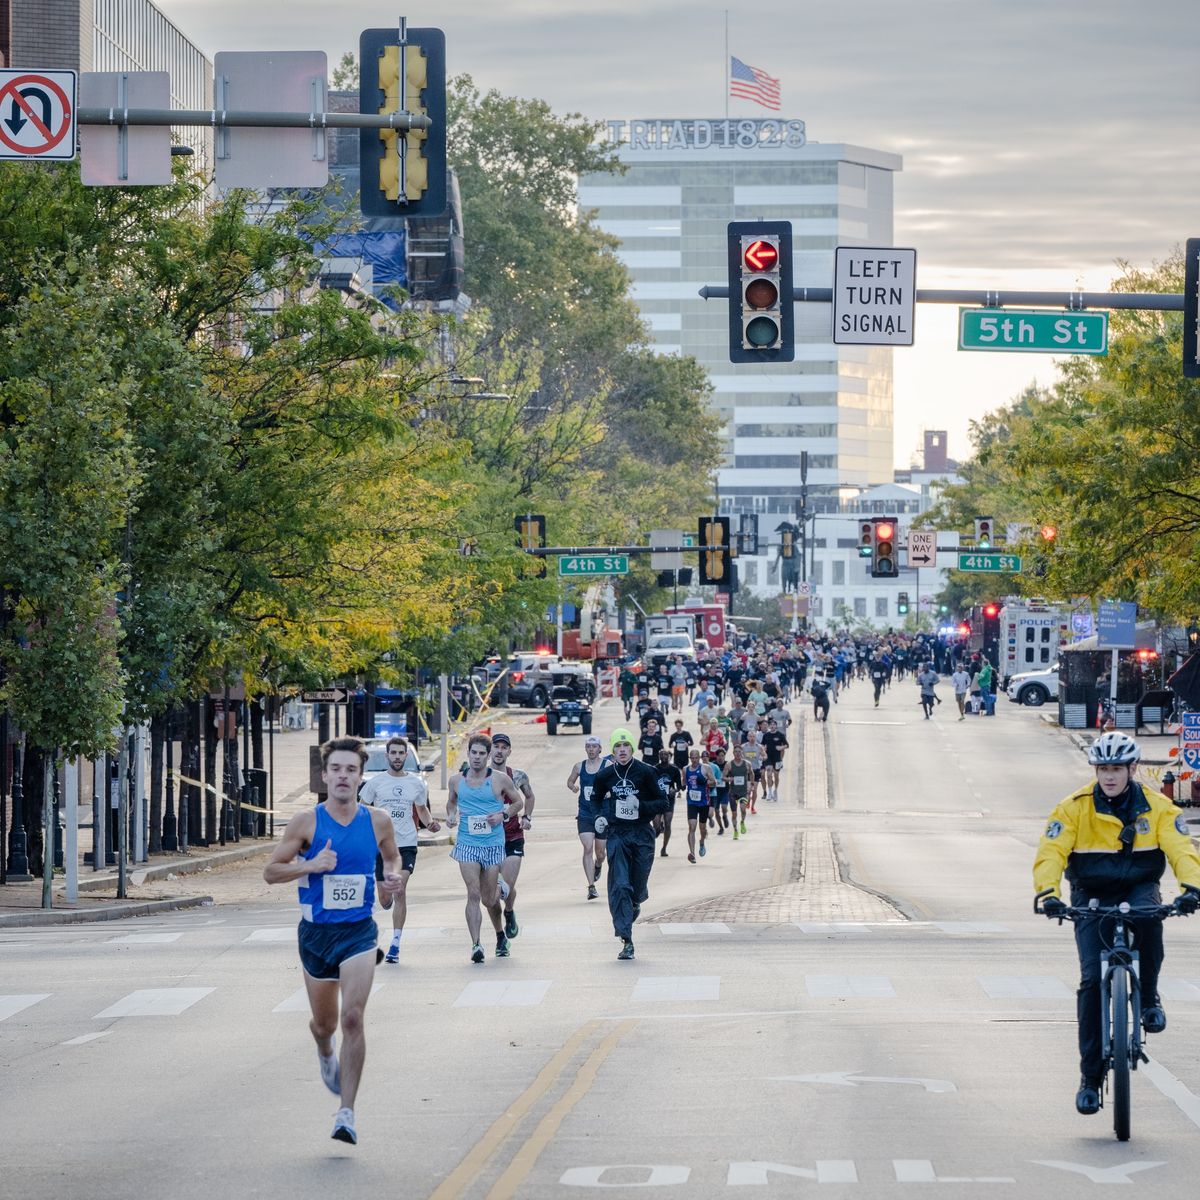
[479, 801]
[478, 841]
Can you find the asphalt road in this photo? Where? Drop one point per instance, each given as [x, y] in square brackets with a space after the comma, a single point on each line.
[854, 997]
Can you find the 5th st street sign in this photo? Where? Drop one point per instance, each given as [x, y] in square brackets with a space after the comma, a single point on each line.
[1032, 331]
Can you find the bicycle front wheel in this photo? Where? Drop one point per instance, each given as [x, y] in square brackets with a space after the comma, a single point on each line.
[1119, 993]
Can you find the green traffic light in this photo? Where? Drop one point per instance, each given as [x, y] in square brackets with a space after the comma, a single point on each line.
[762, 331]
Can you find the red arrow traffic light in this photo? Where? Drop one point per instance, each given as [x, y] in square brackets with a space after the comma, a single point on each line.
[761, 256]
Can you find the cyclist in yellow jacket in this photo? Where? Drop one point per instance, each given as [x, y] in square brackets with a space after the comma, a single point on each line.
[1114, 839]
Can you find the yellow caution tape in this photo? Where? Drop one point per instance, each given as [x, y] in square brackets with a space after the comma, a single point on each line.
[208, 787]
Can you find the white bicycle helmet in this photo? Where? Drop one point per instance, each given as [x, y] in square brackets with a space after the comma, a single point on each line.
[1114, 749]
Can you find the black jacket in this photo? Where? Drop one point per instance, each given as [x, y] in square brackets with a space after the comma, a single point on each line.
[635, 779]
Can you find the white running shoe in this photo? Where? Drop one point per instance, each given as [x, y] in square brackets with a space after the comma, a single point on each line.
[331, 1071]
[504, 888]
[343, 1126]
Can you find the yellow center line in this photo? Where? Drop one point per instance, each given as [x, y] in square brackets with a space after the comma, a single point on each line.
[456, 1183]
[526, 1157]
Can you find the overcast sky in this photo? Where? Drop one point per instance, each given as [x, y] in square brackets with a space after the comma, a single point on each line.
[1043, 140]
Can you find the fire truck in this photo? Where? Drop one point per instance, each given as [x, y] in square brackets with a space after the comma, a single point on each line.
[709, 620]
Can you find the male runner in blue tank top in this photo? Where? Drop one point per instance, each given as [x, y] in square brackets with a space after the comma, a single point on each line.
[330, 852]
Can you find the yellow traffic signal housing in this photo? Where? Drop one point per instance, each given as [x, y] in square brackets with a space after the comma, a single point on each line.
[715, 564]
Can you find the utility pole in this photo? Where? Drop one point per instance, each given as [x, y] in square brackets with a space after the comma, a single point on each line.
[802, 517]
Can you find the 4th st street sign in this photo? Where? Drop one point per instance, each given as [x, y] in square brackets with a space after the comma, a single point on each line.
[989, 562]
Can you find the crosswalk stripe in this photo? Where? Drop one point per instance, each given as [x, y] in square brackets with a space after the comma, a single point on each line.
[516, 994]
[1024, 987]
[1179, 989]
[11, 1005]
[84, 1038]
[146, 939]
[277, 933]
[659, 988]
[298, 1001]
[154, 1002]
[847, 987]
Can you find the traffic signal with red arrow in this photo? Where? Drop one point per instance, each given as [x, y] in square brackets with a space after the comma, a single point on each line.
[761, 313]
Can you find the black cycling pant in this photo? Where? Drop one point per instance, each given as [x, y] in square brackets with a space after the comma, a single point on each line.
[1090, 938]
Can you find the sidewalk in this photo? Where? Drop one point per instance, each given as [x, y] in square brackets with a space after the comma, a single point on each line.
[20, 903]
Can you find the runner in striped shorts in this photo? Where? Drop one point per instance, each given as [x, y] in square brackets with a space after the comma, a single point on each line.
[480, 801]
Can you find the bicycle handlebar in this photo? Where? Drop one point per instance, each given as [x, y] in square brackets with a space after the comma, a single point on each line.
[1156, 912]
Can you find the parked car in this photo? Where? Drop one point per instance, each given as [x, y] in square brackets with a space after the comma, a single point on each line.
[1034, 688]
[567, 707]
[377, 763]
[531, 677]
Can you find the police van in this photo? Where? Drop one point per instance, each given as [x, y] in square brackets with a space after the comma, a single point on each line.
[1031, 634]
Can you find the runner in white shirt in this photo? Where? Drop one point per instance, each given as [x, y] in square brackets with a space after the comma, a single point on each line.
[399, 793]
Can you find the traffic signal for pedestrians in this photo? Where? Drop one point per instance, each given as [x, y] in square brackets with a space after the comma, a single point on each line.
[531, 535]
[866, 539]
[1193, 637]
[883, 548]
[403, 174]
[787, 542]
[902, 603]
[715, 563]
[983, 533]
[762, 326]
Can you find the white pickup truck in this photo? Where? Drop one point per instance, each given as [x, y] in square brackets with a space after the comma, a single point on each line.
[1034, 688]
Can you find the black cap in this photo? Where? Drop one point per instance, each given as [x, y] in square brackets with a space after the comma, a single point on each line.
[501, 737]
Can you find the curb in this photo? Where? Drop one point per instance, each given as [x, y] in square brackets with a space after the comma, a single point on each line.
[114, 912]
[180, 866]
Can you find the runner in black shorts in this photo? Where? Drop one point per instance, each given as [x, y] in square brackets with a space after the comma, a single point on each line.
[328, 851]
[699, 781]
[582, 779]
[670, 781]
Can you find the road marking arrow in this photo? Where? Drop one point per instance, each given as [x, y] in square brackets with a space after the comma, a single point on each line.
[853, 1079]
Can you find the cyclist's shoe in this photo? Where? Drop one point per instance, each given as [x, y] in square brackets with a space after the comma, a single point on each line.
[1154, 1020]
[1087, 1099]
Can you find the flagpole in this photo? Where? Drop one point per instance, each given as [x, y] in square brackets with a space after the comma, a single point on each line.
[725, 69]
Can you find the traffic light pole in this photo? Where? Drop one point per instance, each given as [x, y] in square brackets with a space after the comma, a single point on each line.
[986, 298]
[223, 118]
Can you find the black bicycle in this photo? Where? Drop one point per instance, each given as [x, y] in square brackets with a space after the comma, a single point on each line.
[1120, 995]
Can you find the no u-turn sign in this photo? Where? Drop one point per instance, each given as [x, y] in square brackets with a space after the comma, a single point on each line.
[37, 114]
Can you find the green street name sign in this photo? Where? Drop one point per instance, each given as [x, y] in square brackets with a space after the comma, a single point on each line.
[593, 564]
[989, 562]
[1032, 331]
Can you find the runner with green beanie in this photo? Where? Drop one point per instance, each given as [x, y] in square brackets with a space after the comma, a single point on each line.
[628, 798]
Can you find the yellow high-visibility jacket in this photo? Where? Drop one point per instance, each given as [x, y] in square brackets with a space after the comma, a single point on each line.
[1083, 838]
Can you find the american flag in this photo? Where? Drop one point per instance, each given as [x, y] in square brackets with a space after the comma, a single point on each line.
[752, 84]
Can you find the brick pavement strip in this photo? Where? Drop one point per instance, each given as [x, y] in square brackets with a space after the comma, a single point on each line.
[818, 890]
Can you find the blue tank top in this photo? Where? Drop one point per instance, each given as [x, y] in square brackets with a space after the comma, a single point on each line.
[697, 786]
[587, 781]
[347, 893]
[475, 803]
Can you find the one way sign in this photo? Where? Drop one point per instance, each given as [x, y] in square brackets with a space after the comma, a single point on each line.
[922, 547]
[37, 114]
